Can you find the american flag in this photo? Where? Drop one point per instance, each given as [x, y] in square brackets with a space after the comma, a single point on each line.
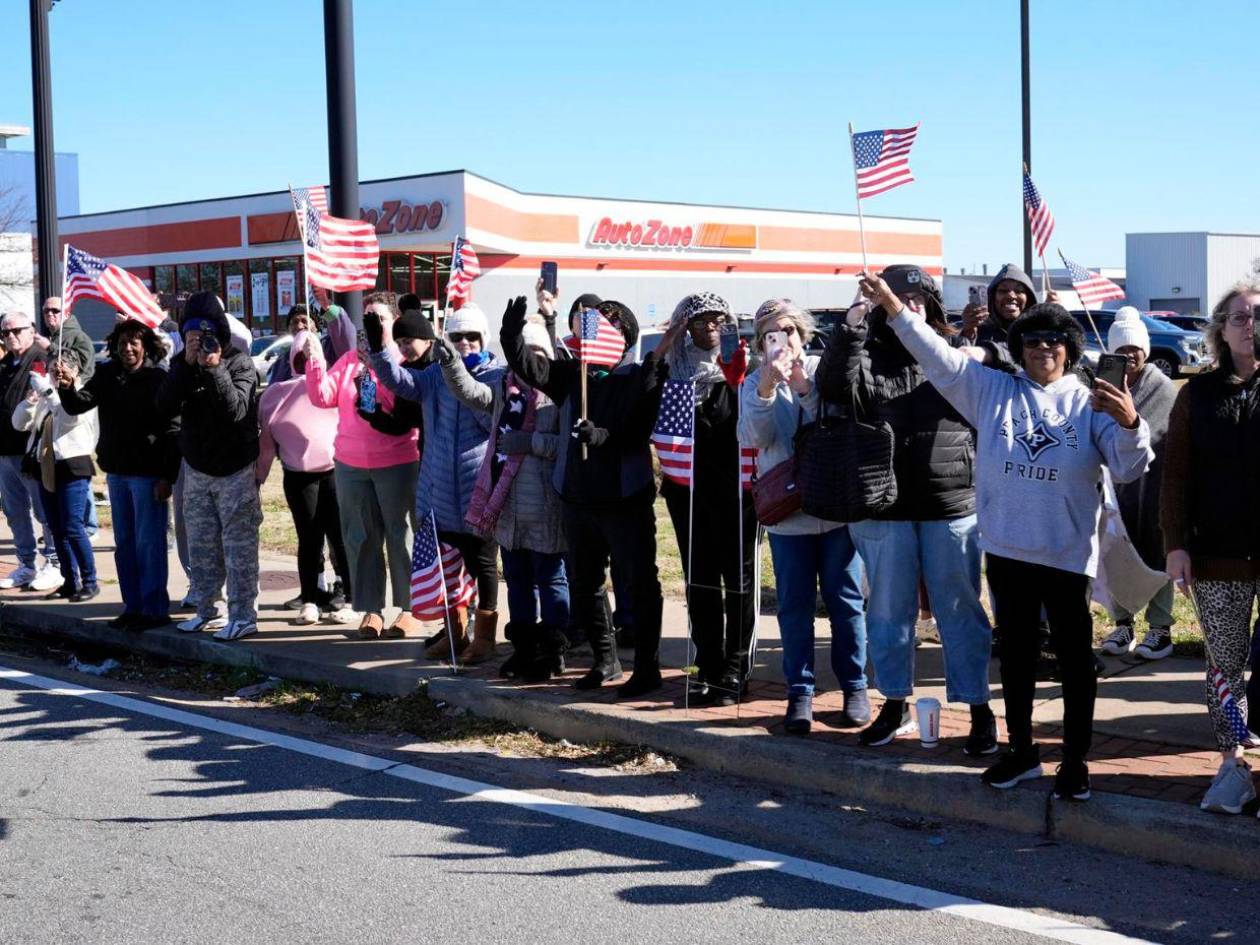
[1090, 287]
[1230, 708]
[437, 587]
[674, 433]
[1039, 216]
[599, 341]
[317, 197]
[465, 267]
[90, 278]
[342, 255]
[882, 159]
[747, 466]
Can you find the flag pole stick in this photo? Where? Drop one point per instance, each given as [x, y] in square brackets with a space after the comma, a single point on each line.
[1101, 344]
[446, 605]
[856, 192]
[1045, 277]
[65, 262]
[691, 550]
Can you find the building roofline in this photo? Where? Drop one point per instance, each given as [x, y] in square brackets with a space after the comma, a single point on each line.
[524, 193]
[1195, 233]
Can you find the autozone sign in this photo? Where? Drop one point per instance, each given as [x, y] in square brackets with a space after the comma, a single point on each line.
[399, 216]
[651, 233]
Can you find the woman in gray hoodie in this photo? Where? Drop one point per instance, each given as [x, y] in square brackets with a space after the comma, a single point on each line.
[1043, 439]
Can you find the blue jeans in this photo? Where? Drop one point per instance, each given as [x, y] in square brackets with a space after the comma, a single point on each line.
[536, 585]
[946, 554]
[64, 511]
[23, 508]
[140, 523]
[802, 565]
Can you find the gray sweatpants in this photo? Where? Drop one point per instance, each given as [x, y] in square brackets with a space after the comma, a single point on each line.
[375, 507]
[222, 515]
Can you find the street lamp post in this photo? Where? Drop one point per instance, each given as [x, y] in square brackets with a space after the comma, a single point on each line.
[1026, 84]
[343, 154]
[45, 160]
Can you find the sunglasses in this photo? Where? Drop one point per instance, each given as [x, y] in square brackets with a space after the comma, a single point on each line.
[14, 331]
[1051, 339]
[52, 311]
[458, 336]
[1240, 319]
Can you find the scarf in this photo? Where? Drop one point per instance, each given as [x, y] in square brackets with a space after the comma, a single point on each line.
[494, 478]
[689, 363]
[476, 360]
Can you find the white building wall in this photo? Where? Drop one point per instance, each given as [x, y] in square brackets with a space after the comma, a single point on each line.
[1230, 257]
[1166, 266]
[17, 274]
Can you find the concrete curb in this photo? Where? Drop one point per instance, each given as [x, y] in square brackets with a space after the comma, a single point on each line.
[1155, 830]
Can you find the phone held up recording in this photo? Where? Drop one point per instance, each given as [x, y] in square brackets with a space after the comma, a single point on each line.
[1111, 368]
[728, 341]
[549, 272]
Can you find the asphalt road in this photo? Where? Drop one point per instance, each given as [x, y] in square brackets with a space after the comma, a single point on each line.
[119, 825]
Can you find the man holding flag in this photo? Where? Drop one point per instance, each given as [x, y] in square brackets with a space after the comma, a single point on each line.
[607, 494]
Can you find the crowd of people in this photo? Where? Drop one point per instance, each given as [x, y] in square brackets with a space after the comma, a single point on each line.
[536, 465]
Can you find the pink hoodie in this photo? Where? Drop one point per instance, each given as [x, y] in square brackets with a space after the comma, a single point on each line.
[289, 424]
[356, 443]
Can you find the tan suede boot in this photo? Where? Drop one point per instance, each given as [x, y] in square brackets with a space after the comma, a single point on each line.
[441, 647]
[484, 627]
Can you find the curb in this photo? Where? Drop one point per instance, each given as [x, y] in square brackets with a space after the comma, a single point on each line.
[1154, 830]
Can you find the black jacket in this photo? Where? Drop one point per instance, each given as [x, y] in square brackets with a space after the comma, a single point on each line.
[136, 438]
[15, 378]
[934, 455]
[624, 402]
[218, 410]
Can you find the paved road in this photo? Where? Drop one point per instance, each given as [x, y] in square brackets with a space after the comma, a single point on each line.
[120, 825]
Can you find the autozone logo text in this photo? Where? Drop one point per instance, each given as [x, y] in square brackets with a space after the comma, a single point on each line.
[655, 233]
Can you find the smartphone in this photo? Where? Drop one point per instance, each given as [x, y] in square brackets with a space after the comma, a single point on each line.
[367, 394]
[1111, 368]
[728, 341]
[776, 345]
[549, 271]
[978, 295]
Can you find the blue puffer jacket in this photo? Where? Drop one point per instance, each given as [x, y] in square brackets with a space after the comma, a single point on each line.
[454, 435]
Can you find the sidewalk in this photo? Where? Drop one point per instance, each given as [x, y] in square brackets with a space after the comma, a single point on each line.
[1152, 759]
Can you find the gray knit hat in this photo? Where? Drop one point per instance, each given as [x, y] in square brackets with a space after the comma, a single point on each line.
[701, 303]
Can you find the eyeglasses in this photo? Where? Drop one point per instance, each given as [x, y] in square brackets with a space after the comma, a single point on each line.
[1240, 319]
[458, 336]
[1051, 339]
[707, 319]
[14, 331]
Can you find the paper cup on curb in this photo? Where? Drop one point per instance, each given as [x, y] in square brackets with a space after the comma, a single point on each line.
[928, 713]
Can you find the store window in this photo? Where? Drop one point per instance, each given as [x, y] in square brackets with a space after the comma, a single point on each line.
[212, 278]
[443, 266]
[259, 293]
[163, 279]
[399, 266]
[289, 290]
[234, 287]
[426, 288]
[186, 279]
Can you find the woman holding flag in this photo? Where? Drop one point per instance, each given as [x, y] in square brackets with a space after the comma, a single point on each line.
[1210, 515]
[703, 491]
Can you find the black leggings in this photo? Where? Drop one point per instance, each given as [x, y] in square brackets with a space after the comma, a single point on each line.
[1020, 590]
[481, 558]
[312, 501]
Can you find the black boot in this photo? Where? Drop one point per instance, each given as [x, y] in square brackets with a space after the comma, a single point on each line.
[524, 642]
[548, 655]
[607, 667]
[647, 653]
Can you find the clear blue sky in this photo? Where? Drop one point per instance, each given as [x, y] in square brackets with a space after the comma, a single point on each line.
[1143, 110]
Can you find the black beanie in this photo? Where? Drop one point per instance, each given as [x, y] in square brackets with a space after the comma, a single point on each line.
[207, 307]
[589, 300]
[413, 324]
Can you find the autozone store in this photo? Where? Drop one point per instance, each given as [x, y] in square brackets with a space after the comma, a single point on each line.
[646, 254]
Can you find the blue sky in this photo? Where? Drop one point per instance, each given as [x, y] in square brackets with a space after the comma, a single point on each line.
[1142, 111]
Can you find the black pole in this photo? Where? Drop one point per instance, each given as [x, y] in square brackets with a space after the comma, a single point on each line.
[45, 161]
[343, 145]
[1023, 215]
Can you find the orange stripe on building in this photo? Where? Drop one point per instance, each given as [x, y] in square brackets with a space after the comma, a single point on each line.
[217, 233]
[492, 217]
[815, 240]
[491, 262]
[272, 228]
[726, 236]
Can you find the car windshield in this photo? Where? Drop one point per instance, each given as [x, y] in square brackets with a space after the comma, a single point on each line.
[260, 345]
[1160, 325]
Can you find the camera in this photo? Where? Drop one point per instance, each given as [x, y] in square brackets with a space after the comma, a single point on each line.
[210, 343]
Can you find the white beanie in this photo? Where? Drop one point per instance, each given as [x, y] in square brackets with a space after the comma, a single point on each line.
[469, 318]
[535, 335]
[1129, 329]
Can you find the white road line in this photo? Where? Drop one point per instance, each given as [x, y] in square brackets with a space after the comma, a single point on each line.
[921, 897]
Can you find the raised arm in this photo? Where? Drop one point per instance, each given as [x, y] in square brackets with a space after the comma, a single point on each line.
[537, 370]
[469, 391]
[841, 367]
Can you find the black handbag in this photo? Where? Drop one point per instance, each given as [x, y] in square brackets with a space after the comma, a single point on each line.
[844, 466]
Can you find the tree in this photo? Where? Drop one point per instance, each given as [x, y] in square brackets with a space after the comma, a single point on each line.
[17, 267]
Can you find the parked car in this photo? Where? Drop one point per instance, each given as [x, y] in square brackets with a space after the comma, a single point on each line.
[1174, 351]
[265, 351]
[1184, 322]
[101, 352]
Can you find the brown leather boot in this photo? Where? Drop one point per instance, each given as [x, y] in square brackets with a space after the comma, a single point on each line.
[484, 627]
[441, 647]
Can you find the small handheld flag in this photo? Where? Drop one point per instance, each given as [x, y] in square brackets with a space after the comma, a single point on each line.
[465, 267]
[437, 584]
[599, 341]
[882, 159]
[674, 433]
[1040, 219]
[1090, 287]
[341, 255]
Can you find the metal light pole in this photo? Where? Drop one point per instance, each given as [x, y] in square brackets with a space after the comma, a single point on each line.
[45, 161]
[343, 147]
[1023, 215]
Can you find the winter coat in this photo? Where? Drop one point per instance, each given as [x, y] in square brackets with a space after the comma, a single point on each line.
[357, 443]
[1153, 397]
[290, 426]
[73, 436]
[934, 448]
[531, 516]
[75, 341]
[15, 380]
[454, 435]
[218, 411]
[136, 438]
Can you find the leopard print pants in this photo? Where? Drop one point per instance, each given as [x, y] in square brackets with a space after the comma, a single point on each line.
[1225, 612]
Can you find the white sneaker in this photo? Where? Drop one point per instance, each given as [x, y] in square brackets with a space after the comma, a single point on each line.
[19, 578]
[195, 624]
[308, 615]
[47, 579]
[237, 629]
[1119, 641]
[1231, 789]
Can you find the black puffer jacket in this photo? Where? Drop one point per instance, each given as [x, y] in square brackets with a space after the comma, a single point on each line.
[935, 450]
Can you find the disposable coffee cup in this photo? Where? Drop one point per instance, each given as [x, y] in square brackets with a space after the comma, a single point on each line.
[928, 711]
